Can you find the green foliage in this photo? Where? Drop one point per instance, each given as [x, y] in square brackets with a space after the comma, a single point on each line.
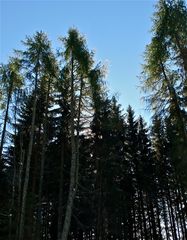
[129, 178]
[11, 79]
[164, 75]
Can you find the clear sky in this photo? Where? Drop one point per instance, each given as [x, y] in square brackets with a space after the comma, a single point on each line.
[117, 30]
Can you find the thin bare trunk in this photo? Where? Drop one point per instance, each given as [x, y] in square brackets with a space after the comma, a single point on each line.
[14, 177]
[74, 172]
[165, 216]
[99, 207]
[171, 214]
[175, 101]
[5, 119]
[60, 199]
[22, 158]
[44, 142]
[72, 186]
[26, 181]
[143, 215]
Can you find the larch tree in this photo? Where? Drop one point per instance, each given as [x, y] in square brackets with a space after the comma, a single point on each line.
[164, 70]
[47, 83]
[35, 60]
[79, 61]
[11, 79]
[75, 165]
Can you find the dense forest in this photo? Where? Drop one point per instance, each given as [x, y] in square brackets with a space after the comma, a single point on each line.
[73, 164]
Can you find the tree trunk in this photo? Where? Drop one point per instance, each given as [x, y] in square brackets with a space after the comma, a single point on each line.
[21, 164]
[158, 218]
[175, 101]
[26, 181]
[5, 119]
[171, 214]
[44, 142]
[99, 208]
[143, 215]
[60, 199]
[73, 170]
[183, 55]
[12, 205]
[182, 207]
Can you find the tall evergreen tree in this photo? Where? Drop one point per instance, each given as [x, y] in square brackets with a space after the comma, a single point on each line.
[10, 80]
[79, 62]
[35, 61]
[163, 81]
[76, 166]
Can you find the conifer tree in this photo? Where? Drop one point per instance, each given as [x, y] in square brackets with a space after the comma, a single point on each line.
[35, 61]
[166, 83]
[79, 61]
[10, 80]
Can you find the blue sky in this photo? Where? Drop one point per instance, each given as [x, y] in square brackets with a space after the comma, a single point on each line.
[118, 31]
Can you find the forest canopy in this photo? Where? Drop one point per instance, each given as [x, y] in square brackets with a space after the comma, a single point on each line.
[73, 163]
